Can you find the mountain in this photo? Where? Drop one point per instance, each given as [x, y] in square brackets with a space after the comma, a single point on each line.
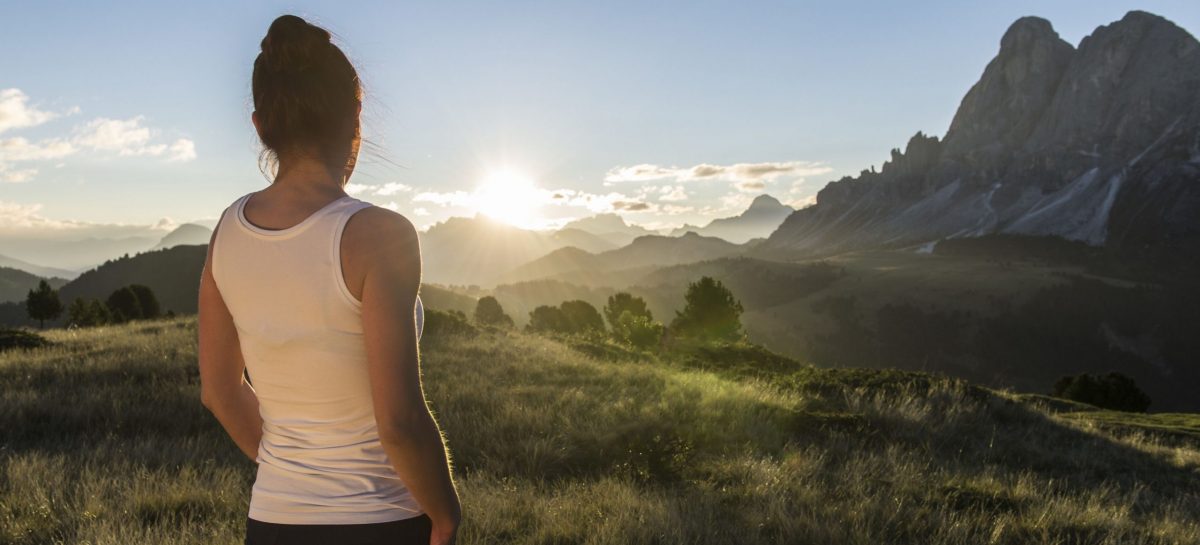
[188, 233]
[583, 240]
[645, 252]
[475, 250]
[1099, 144]
[762, 217]
[16, 283]
[610, 227]
[36, 270]
[74, 255]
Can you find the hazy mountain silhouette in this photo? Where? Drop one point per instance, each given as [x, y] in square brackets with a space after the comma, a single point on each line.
[188, 233]
[36, 270]
[610, 227]
[1099, 144]
[645, 252]
[759, 220]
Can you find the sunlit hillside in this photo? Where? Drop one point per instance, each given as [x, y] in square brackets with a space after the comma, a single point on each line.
[565, 440]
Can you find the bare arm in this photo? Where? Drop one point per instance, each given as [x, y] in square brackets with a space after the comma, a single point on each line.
[391, 267]
[223, 388]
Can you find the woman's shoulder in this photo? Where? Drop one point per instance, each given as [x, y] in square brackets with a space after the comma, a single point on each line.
[377, 228]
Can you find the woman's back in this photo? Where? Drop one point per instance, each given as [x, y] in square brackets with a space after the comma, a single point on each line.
[301, 335]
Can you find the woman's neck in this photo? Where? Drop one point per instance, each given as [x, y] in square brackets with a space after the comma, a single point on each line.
[303, 175]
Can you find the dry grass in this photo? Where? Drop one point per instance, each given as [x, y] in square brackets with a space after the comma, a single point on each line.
[104, 441]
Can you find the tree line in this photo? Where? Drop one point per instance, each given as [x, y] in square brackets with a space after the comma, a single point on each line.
[711, 312]
[131, 302]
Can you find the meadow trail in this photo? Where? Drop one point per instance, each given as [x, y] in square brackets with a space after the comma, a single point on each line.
[103, 440]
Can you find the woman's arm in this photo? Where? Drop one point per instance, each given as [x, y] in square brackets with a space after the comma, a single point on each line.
[223, 388]
[391, 275]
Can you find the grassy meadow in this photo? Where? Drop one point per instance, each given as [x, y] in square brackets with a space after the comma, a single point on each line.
[563, 440]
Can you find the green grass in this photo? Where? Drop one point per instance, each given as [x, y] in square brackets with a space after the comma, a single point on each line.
[104, 441]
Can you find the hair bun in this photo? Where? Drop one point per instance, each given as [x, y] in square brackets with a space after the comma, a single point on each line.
[291, 43]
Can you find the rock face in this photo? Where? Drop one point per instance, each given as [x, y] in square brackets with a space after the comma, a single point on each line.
[1099, 144]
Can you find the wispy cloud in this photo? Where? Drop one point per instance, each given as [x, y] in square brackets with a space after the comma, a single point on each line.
[123, 137]
[129, 137]
[17, 113]
[740, 172]
[385, 190]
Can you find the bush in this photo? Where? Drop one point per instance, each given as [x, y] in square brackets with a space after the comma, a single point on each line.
[546, 318]
[16, 338]
[620, 302]
[582, 317]
[1112, 391]
[637, 329]
[87, 312]
[439, 324]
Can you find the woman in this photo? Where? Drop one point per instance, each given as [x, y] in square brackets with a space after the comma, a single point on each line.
[313, 294]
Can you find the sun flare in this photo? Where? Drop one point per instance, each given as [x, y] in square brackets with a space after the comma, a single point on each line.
[508, 196]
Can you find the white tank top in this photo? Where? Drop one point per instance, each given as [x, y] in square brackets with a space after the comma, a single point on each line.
[320, 460]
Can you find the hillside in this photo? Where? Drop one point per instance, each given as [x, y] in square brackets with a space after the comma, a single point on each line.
[633, 449]
[1095, 143]
[16, 283]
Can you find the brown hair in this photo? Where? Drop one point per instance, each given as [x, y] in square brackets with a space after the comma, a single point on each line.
[306, 96]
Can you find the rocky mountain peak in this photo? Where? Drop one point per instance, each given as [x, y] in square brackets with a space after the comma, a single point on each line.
[1005, 105]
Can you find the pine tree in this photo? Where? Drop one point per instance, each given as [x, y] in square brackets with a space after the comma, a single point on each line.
[42, 304]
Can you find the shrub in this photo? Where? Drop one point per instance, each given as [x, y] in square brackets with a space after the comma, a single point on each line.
[547, 318]
[16, 338]
[581, 317]
[439, 324]
[621, 302]
[637, 329]
[1111, 391]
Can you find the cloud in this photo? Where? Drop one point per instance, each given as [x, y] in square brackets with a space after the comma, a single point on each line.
[21, 149]
[740, 172]
[16, 113]
[124, 137]
[672, 193]
[7, 175]
[128, 137]
[750, 186]
[385, 190]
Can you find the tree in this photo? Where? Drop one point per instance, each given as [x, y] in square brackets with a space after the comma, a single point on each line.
[79, 313]
[622, 301]
[582, 317]
[124, 305]
[711, 312]
[638, 330]
[489, 312]
[42, 304]
[99, 312]
[1114, 391]
[547, 318]
[147, 301]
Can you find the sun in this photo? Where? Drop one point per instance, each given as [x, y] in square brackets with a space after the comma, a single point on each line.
[508, 196]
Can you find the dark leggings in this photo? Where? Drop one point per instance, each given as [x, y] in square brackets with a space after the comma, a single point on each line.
[410, 531]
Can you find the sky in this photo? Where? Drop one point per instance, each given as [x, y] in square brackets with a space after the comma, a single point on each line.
[126, 117]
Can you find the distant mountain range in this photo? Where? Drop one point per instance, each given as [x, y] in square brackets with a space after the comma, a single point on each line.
[1099, 143]
[68, 258]
[481, 251]
[758, 221]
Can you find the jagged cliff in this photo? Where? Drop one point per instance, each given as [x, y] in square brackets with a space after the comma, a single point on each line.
[1099, 143]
